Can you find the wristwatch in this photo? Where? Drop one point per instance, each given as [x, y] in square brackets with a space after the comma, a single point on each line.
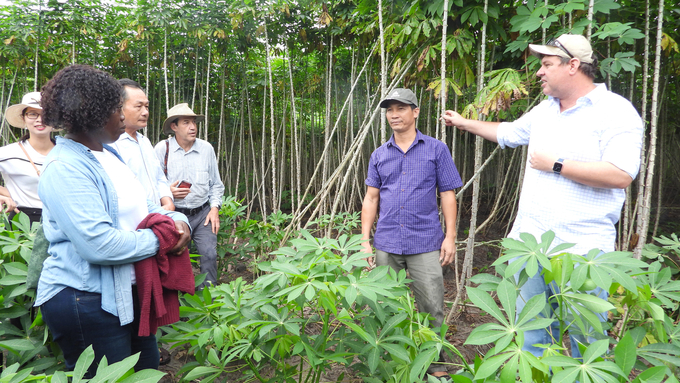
[557, 166]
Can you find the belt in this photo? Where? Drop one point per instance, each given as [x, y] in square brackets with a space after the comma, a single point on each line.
[30, 210]
[193, 211]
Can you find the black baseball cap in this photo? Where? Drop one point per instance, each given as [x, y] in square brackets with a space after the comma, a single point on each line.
[401, 95]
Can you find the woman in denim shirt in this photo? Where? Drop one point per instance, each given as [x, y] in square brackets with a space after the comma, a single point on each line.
[91, 205]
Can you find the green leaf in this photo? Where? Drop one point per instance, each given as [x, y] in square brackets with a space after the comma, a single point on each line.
[396, 350]
[652, 375]
[625, 353]
[595, 350]
[199, 372]
[484, 301]
[143, 376]
[83, 363]
[421, 363]
[491, 365]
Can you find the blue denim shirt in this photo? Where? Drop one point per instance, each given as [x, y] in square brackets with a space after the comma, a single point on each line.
[87, 250]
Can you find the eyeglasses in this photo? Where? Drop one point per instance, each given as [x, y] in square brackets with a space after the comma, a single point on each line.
[32, 115]
[555, 43]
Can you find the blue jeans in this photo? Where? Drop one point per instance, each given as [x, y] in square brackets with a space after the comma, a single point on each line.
[77, 321]
[536, 285]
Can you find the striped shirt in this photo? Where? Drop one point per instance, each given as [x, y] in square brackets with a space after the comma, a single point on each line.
[197, 166]
[408, 221]
[602, 126]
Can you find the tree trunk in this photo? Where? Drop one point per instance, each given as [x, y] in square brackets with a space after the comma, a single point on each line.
[295, 153]
[383, 74]
[207, 97]
[466, 271]
[443, 86]
[589, 30]
[275, 206]
[649, 179]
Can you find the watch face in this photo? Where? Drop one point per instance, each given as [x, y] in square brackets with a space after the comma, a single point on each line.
[557, 167]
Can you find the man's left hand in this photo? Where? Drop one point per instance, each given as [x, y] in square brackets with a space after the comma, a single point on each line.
[542, 161]
[214, 218]
[447, 251]
[184, 238]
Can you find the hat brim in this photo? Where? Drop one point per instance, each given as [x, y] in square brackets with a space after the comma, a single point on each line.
[14, 115]
[169, 120]
[547, 51]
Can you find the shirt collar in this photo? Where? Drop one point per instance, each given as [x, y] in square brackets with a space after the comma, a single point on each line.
[590, 98]
[419, 137]
[174, 146]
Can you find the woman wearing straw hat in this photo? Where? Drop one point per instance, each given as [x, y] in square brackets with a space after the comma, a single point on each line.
[21, 162]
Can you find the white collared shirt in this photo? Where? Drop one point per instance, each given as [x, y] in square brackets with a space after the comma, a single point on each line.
[602, 126]
[141, 159]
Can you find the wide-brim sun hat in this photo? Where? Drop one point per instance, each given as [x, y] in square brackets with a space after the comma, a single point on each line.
[177, 111]
[15, 113]
[567, 46]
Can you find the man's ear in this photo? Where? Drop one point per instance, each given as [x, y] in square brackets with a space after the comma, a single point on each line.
[574, 64]
[416, 112]
[173, 126]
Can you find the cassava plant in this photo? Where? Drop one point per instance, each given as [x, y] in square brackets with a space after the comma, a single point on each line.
[316, 306]
[642, 340]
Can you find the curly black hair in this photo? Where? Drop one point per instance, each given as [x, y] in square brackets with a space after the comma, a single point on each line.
[80, 99]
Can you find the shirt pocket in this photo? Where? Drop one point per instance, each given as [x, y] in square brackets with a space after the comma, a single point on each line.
[201, 184]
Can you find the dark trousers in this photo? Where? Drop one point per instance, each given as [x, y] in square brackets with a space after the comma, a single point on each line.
[33, 214]
[76, 320]
[206, 244]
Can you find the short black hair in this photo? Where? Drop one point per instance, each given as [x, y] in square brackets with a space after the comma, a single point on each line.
[80, 99]
[126, 82]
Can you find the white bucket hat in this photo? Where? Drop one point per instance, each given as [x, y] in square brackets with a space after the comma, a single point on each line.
[177, 111]
[14, 114]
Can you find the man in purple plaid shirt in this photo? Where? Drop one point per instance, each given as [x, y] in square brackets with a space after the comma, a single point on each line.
[403, 177]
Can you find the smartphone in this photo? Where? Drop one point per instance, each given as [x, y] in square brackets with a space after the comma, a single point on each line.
[184, 185]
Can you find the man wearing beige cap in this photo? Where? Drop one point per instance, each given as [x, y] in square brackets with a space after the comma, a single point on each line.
[584, 150]
[191, 167]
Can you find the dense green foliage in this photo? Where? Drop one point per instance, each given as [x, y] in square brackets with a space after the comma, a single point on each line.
[279, 138]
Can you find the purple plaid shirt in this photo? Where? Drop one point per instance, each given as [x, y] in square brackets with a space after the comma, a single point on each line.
[409, 216]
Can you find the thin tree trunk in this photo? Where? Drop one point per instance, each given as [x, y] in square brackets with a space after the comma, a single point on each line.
[643, 108]
[165, 66]
[207, 97]
[262, 155]
[443, 86]
[147, 85]
[589, 30]
[649, 179]
[295, 154]
[466, 271]
[275, 206]
[193, 95]
[383, 74]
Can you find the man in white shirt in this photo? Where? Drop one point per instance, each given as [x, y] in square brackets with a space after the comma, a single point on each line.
[584, 150]
[136, 149]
